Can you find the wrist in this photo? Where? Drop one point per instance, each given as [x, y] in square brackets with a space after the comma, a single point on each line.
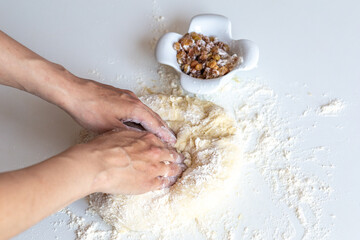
[85, 167]
[51, 82]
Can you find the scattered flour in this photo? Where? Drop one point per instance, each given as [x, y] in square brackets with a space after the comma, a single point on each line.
[283, 186]
[296, 184]
[208, 138]
[85, 230]
[332, 108]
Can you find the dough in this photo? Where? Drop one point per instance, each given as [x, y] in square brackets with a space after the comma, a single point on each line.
[207, 137]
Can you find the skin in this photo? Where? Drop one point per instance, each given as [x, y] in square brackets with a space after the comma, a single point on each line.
[122, 160]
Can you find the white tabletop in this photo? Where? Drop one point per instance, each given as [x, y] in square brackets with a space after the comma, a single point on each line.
[305, 47]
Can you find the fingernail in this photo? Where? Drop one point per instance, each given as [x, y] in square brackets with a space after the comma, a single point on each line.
[183, 167]
[172, 180]
[171, 135]
[180, 158]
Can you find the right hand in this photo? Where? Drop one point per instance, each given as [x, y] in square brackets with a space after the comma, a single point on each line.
[129, 162]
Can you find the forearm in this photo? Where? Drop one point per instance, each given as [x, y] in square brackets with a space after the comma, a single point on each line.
[31, 194]
[25, 70]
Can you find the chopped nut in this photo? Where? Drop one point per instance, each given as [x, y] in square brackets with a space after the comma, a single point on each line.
[177, 46]
[215, 49]
[223, 70]
[187, 42]
[216, 57]
[194, 63]
[204, 57]
[195, 36]
[198, 67]
[180, 54]
[211, 64]
[186, 68]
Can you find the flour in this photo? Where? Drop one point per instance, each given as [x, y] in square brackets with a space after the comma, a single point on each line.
[331, 108]
[207, 137]
[277, 192]
[296, 183]
[84, 230]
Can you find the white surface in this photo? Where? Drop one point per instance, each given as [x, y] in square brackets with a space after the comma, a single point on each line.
[306, 46]
[208, 25]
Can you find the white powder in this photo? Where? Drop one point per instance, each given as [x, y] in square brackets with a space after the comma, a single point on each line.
[85, 230]
[296, 183]
[284, 186]
[272, 146]
[208, 137]
[331, 108]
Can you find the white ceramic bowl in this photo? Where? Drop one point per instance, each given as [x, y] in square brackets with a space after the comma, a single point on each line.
[209, 25]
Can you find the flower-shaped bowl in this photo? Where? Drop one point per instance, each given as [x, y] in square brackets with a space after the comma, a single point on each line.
[208, 25]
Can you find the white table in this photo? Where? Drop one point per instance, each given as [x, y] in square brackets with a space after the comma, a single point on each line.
[304, 46]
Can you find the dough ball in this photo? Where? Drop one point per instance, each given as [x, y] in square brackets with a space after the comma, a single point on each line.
[207, 136]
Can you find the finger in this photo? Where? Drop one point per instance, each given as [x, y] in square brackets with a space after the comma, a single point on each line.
[157, 116]
[134, 126]
[133, 95]
[172, 180]
[153, 123]
[178, 157]
[161, 182]
[159, 153]
[170, 170]
[118, 129]
[129, 93]
[149, 110]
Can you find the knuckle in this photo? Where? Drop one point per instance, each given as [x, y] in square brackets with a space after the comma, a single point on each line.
[154, 168]
[155, 151]
[124, 96]
[136, 102]
[174, 169]
[128, 92]
[137, 108]
[150, 136]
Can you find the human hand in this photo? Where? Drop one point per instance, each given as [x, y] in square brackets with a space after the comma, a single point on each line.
[95, 106]
[99, 107]
[129, 162]
[121, 161]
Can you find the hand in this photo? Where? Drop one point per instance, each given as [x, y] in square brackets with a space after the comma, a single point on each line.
[122, 161]
[130, 162]
[101, 107]
[95, 106]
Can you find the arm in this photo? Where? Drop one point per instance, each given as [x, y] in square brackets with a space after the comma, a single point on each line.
[122, 161]
[95, 106]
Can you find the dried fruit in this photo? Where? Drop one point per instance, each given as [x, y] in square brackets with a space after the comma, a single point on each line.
[216, 57]
[211, 64]
[187, 42]
[223, 70]
[198, 67]
[176, 46]
[193, 64]
[204, 57]
[186, 68]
